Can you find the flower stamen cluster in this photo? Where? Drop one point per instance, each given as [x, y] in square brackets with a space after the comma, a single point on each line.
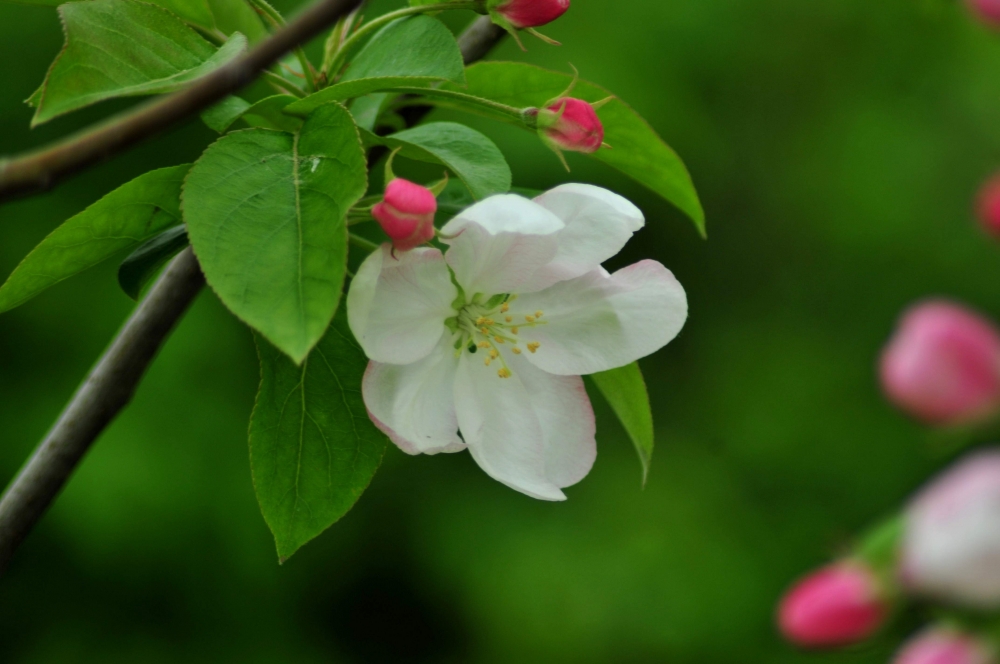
[479, 330]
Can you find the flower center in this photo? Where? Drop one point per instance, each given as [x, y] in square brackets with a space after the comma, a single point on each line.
[491, 325]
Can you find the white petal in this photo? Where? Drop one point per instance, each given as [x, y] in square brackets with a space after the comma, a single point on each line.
[397, 305]
[534, 433]
[501, 243]
[598, 224]
[599, 321]
[414, 404]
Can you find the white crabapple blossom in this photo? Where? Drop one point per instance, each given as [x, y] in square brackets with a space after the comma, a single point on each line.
[483, 346]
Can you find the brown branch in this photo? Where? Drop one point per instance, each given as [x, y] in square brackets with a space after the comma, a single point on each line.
[107, 390]
[41, 169]
[110, 386]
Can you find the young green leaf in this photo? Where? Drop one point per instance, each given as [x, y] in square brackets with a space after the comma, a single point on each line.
[142, 264]
[266, 113]
[124, 48]
[625, 391]
[636, 149]
[193, 12]
[475, 159]
[123, 219]
[412, 51]
[266, 212]
[313, 450]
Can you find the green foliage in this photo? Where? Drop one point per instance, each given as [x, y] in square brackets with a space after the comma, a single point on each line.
[221, 116]
[121, 220]
[124, 48]
[475, 159]
[195, 12]
[233, 16]
[637, 150]
[313, 450]
[143, 264]
[413, 51]
[266, 113]
[625, 391]
[266, 214]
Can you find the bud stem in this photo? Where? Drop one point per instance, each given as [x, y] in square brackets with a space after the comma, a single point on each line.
[465, 101]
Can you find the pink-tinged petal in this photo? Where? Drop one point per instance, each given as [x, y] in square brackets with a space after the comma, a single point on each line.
[414, 404]
[599, 321]
[397, 305]
[500, 244]
[532, 432]
[598, 224]
[530, 13]
[944, 646]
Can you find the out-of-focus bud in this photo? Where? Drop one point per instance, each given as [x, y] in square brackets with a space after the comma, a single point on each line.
[406, 214]
[943, 364]
[988, 204]
[570, 124]
[951, 542]
[838, 605]
[988, 11]
[523, 14]
[944, 646]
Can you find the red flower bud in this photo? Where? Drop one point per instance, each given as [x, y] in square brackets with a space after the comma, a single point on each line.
[529, 13]
[988, 11]
[406, 214]
[838, 605]
[988, 203]
[943, 364]
[941, 646]
[571, 125]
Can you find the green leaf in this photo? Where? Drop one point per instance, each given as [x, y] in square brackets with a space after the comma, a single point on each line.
[470, 155]
[123, 219]
[44, 3]
[142, 264]
[233, 16]
[222, 115]
[367, 109]
[195, 12]
[412, 51]
[124, 48]
[625, 391]
[266, 113]
[637, 150]
[313, 450]
[266, 212]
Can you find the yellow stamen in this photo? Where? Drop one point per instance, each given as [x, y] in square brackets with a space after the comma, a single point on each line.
[539, 314]
[484, 331]
[489, 321]
[509, 319]
[505, 308]
[484, 344]
[513, 330]
[494, 353]
[533, 346]
[487, 361]
[530, 319]
[504, 373]
[499, 340]
[517, 351]
[480, 321]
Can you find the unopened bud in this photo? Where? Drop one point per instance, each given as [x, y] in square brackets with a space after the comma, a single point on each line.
[523, 14]
[838, 605]
[988, 11]
[944, 646]
[572, 125]
[943, 364]
[988, 205]
[951, 543]
[406, 214]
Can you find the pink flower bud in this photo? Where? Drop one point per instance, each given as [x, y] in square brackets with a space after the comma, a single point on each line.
[951, 543]
[988, 203]
[988, 11]
[572, 125]
[943, 364]
[529, 13]
[406, 214]
[944, 646]
[838, 605]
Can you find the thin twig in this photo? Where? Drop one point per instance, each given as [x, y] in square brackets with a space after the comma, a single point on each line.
[107, 390]
[110, 386]
[41, 169]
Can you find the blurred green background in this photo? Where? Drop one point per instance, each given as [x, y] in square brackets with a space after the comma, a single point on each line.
[837, 147]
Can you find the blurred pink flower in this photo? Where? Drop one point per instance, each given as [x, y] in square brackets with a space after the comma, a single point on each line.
[988, 203]
[529, 13]
[943, 646]
[988, 11]
[943, 364]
